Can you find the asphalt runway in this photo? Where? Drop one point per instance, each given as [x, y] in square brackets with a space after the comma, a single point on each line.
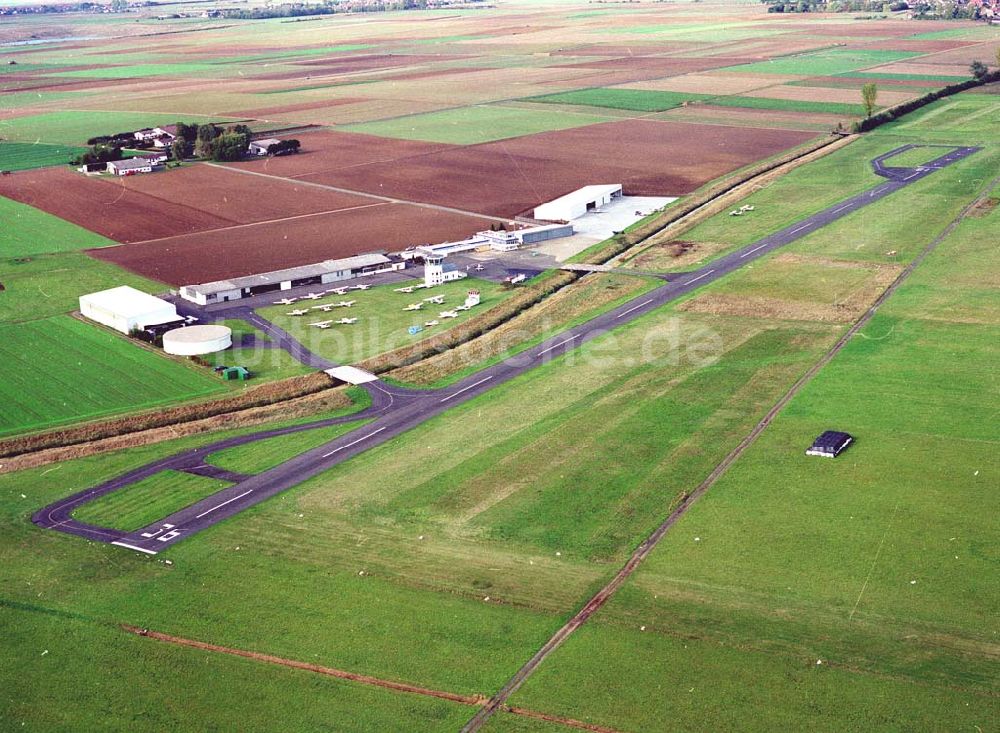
[395, 410]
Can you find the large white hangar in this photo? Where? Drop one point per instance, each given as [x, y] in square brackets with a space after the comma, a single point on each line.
[576, 204]
[126, 309]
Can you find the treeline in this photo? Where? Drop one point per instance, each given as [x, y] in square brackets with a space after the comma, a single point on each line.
[283, 147]
[329, 7]
[892, 113]
[100, 153]
[211, 141]
[921, 9]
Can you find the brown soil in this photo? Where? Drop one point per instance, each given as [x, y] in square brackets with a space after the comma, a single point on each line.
[675, 253]
[349, 64]
[167, 203]
[223, 253]
[981, 209]
[300, 107]
[508, 177]
[657, 67]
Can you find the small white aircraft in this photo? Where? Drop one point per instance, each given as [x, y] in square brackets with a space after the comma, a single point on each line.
[325, 308]
[747, 207]
[736, 212]
[404, 290]
[435, 299]
[298, 312]
[518, 279]
[413, 307]
[448, 314]
[338, 291]
[313, 296]
[431, 323]
[348, 321]
[345, 304]
[321, 324]
[360, 287]
[480, 268]
[462, 307]
[423, 285]
[285, 301]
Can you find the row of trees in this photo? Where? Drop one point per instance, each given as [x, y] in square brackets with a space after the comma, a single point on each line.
[211, 141]
[920, 9]
[99, 153]
[980, 74]
[327, 7]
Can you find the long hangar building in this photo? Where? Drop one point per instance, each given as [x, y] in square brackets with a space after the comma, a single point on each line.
[327, 271]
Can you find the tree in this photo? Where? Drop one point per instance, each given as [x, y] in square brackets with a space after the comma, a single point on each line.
[179, 148]
[188, 133]
[978, 69]
[229, 146]
[869, 94]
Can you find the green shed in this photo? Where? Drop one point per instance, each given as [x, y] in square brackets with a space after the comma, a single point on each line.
[236, 372]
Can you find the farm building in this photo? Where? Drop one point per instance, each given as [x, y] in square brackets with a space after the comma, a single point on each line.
[504, 241]
[830, 444]
[436, 271]
[126, 309]
[576, 204]
[131, 166]
[327, 271]
[197, 340]
[161, 137]
[260, 147]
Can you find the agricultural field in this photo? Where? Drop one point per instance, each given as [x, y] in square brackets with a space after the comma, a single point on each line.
[59, 370]
[21, 156]
[29, 231]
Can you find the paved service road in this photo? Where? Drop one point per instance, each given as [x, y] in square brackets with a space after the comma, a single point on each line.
[395, 410]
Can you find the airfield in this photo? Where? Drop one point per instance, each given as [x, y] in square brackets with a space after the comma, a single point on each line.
[582, 504]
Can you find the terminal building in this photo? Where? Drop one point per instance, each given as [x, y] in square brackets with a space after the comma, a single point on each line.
[126, 309]
[327, 271]
[437, 272]
[576, 204]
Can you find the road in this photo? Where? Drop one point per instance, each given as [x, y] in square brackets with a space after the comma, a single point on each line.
[395, 410]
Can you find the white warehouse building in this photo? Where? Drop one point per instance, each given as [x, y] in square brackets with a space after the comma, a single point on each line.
[576, 204]
[126, 309]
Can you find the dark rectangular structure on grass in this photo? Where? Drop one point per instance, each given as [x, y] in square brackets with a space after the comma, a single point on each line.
[830, 444]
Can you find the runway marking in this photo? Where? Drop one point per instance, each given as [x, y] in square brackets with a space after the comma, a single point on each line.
[704, 274]
[219, 506]
[466, 389]
[645, 302]
[747, 254]
[555, 346]
[836, 211]
[337, 450]
[133, 547]
[800, 228]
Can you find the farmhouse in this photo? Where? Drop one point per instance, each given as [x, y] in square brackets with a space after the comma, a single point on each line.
[131, 166]
[161, 137]
[322, 272]
[576, 204]
[126, 309]
[830, 444]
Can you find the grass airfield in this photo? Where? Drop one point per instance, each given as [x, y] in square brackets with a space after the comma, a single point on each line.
[798, 593]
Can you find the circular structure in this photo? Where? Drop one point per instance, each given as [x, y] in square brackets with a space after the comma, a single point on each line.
[197, 340]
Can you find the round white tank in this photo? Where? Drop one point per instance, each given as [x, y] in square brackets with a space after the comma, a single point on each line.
[197, 340]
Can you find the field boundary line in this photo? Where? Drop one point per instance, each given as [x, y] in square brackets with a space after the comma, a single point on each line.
[379, 197]
[471, 700]
[499, 700]
[260, 223]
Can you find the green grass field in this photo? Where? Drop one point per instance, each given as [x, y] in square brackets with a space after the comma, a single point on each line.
[28, 231]
[871, 563]
[49, 654]
[263, 360]
[632, 99]
[148, 500]
[823, 63]
[75, 127]
[266, 454]
[41, 286]
[472, 125]
[59, 370]
[792, 105]
[22, 156]
[876, 75]
[382, 323]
